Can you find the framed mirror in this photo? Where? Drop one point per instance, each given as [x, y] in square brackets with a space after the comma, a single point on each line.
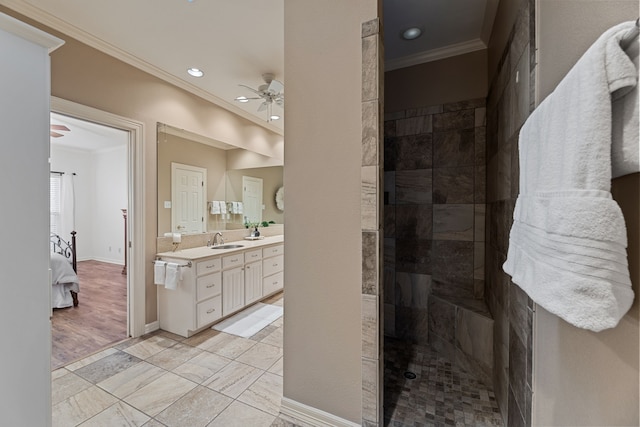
[223, 167]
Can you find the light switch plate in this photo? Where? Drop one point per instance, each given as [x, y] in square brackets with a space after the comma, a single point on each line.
[167, 204]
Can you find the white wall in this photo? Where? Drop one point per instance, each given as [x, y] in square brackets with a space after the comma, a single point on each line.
[109, 197]
[101, 191]
[581, 377]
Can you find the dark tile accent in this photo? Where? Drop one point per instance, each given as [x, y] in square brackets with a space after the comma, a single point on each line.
[413, 256]
[461, 119]
[389, 289]
[463, 105]
[390, 188]
[389, 220]
[414, 125]
[390, 153]
[442, 319]
[389, 128]
[480, 145]
[517, 368]
[414, 221]
[412, 290]
[107, 367]
[454, 148]
[453, 185]
[424, 111]
[414, 186]
[389, 252]
[453, 222]
[452, 260]
[414, 152]
[519, 313]
[370, 267]
[515, 418]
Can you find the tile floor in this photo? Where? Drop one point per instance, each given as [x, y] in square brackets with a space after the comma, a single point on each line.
[161, 379]
[440, 395]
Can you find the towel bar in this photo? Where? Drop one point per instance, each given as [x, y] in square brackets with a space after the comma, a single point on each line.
[188, 264]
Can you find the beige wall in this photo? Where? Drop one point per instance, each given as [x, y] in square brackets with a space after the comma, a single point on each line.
[448, 80]
[322, 342]
[582, 377]
[84, 75]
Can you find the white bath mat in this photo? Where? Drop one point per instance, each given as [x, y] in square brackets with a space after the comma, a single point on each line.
[250, 321]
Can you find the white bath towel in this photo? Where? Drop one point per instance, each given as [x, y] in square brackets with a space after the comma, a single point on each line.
[159, 272]
[567, 247]
[625, 147]
[240, 208]
[215, 208]
[172, 278]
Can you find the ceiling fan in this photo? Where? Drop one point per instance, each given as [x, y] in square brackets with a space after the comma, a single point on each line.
[61, 128]
[272, 92]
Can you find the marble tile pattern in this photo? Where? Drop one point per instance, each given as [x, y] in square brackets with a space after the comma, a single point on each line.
[441, 394]
[509, 102]
[373, 192]
[176, 382]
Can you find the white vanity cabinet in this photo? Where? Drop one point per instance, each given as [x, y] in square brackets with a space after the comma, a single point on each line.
[218, 286]
[272, 269]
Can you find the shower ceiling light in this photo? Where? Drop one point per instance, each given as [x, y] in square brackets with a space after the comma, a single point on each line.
[411, 33]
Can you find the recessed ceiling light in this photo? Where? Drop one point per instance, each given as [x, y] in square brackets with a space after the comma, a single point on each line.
[242, 99]
[411, 33]
[195, 72]
[274, 117]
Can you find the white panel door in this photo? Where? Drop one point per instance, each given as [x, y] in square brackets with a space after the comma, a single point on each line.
[232, 290]
[188, 191]
[252, 198]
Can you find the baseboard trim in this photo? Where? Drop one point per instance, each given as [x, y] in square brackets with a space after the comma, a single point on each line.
[312, 416]
[150, 327]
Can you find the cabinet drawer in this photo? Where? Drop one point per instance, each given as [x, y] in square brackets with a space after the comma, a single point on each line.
[208, 266]
[209, 311]
[251, 256]
[272, 250]
[273, 283]
[208, 286]
[233, 260]
[272, 265]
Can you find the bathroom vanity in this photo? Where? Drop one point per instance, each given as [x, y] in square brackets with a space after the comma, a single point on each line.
[219, 282]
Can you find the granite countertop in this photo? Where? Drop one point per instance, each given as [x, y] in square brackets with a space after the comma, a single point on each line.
[205, 251]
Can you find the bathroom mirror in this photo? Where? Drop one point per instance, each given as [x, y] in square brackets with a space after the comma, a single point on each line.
[225, 166]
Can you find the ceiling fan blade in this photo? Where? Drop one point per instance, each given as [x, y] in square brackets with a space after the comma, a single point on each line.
[60, 127]
[275, 86]
[280, 102]
[55, 134]
[262, 107]
[251, 89]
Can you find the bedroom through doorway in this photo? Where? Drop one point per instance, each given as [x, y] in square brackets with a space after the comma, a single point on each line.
[90, 196]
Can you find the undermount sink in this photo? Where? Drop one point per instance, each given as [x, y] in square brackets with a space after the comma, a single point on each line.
[227, 247]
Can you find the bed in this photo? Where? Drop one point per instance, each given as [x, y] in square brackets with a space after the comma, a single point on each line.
[64, 280]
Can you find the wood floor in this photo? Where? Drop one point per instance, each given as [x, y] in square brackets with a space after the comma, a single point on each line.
[98, 321]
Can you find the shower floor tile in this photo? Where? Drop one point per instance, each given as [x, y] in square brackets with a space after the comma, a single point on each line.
[441, 393]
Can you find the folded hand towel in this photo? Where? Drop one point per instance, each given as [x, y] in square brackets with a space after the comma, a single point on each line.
[159, 272]
[215, 208]
[567, 247]
[240, 208]
[223, 207]
[173, 276]
[625, 147]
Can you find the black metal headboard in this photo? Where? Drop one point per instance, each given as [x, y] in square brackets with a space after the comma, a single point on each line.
[64, 248]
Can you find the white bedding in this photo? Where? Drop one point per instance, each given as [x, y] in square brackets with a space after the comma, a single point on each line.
[63, 280]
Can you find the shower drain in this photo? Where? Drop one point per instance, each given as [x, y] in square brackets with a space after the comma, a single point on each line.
[410, 375]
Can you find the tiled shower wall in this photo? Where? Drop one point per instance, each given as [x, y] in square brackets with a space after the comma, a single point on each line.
[434, 211]
[509, 103]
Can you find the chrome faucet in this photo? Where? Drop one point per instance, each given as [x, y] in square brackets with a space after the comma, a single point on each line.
[215, 238]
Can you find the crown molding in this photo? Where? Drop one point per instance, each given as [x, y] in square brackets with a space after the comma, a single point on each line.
[435, 54]
[64, 27]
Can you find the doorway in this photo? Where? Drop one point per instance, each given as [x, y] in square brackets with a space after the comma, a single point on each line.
[129, 243]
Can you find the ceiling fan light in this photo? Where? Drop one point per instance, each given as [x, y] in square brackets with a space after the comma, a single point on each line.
[195, 72]
[242, 99]
[411, 33]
